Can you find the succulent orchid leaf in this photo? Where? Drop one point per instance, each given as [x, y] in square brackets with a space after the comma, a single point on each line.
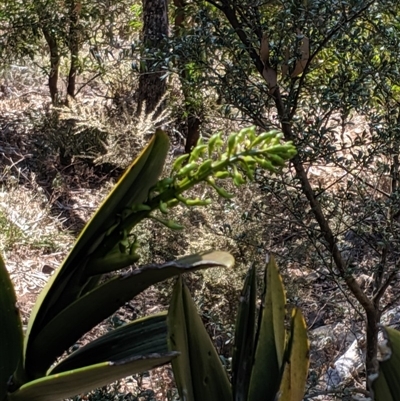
[70, 279]
[242, 361]
[198, 370]
[66, 384]
[140, 337]
[387, 385]
[10, 330]
[296, 367]
[96, 305]
[270, 339]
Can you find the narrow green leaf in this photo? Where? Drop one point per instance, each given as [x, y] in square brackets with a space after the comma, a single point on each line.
[131, 189]
[278, 298]
[296, 369]
[178, 341]
[387, 385]
[69, 280]
[10, 330]
[140, 337]
[67, 384]
[243, 352]
[96, 305]
[270, 339]
[198, 371]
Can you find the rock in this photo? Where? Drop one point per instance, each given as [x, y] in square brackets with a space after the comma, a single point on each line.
[336, 334]
[346, 367]
[391, 318]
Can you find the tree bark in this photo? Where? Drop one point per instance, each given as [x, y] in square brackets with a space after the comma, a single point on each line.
[194, 117]
[54, 63]
[45, 19]
[73, 45]
[155, 29]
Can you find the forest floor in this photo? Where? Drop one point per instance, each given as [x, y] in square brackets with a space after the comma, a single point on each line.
[44, 203]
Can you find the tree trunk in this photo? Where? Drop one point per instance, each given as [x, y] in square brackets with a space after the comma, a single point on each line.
[54, 63]
[194, 118]
[50, 36]
[155, 29]
[73, 45]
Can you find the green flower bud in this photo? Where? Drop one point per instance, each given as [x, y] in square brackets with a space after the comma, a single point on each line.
[162, 185]
[276, 160]
[213, 143]
[231, 143]
[222, 174]
[185, 170]
[246, 132]
[163, 207]
[166, 182]
[204, 167]
[281, 150]
[249, 160]
[237, 177]
[249, 168]
[168, 223]
[264, 137]
[140, 208]
[266, 164]
[197, 152]
[221, 191]
[181, 198]
[210, 181]
[198, 202]
[178, 162]
[172, 203]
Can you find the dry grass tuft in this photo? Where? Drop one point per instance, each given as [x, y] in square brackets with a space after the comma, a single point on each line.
[124, 135]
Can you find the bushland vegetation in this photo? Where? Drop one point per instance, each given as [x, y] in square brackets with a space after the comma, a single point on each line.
[84, 84]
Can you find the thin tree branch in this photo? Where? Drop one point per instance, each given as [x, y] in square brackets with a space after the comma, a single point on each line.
[320, 47]
[381, 291]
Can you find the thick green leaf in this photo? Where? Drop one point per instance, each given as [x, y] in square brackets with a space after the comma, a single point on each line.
[140, 337]
[71, 278]
[243, 352]
[270, 340]
[387, 385]
[296, 369]
[92, 308]
[198, 371]
[131, 189]
[67, 384]
[382, 390]
[275, 286]
[10, 330]
[178, 341]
